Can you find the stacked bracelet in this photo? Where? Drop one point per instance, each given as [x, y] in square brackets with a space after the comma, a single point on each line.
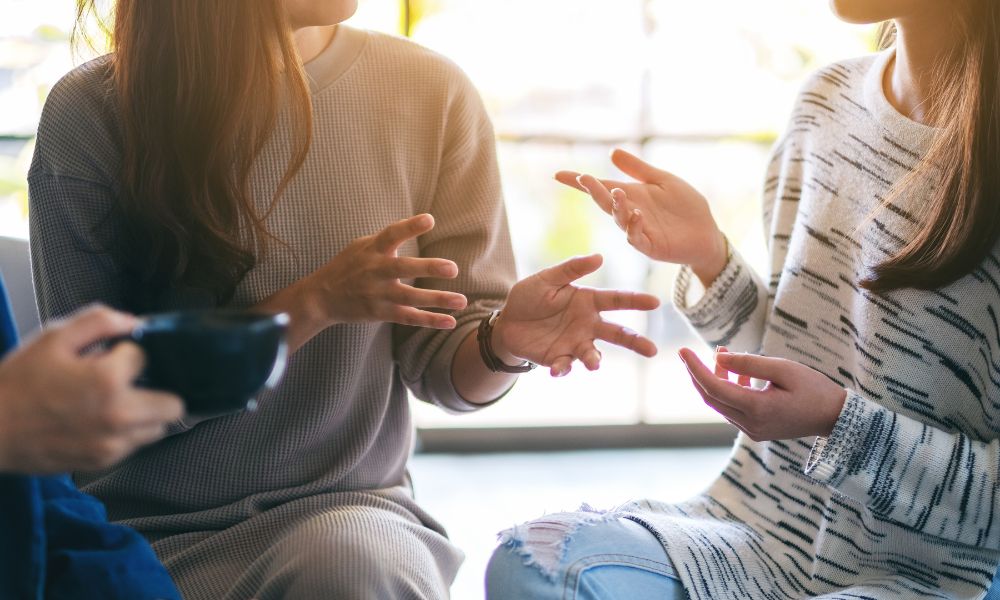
[490, 359]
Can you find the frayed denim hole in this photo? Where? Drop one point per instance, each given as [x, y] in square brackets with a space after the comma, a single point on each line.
[542, 543]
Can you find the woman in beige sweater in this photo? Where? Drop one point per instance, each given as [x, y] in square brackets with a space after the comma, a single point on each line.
[252, 153]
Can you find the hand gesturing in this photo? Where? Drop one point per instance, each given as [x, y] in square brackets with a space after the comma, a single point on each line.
[662, 215]
[551, 322]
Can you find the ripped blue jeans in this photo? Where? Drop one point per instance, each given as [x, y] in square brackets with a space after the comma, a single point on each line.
[589, 555]
[581, 556]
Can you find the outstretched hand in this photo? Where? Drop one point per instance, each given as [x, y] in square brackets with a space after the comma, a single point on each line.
[551, 322]
[661, 214]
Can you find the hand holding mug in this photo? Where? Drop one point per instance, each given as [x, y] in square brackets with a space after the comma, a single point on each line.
[662, 215]
[61, 410]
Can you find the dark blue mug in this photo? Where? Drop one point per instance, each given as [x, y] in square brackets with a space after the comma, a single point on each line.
[217, 361]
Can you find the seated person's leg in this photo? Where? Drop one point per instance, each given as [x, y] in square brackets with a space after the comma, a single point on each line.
[581, 556]
[356, 552]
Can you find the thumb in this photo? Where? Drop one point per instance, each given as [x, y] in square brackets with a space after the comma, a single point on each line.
[90, 326]
[759, 367]
[569, 271]
[635, 167]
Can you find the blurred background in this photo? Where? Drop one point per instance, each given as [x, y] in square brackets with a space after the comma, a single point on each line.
[700, 88]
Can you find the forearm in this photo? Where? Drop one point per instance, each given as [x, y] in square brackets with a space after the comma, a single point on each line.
[473, 381]
[931, 480]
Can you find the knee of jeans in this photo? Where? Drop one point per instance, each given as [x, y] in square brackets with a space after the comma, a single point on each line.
[541, 544]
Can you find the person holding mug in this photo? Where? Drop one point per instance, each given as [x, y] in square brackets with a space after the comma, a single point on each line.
[257, 154]
[61, 410]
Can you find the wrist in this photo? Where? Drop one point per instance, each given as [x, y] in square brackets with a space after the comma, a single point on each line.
[836, 407]
[500, 347]
[714, 261]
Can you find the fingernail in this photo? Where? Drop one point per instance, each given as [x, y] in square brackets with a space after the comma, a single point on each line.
[457, 303]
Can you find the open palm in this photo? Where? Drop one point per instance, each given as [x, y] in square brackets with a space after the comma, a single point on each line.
[551, 322]
[663, 216]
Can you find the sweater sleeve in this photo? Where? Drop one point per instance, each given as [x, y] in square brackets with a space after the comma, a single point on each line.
[732, 310]
[939, 483]
[471, 229]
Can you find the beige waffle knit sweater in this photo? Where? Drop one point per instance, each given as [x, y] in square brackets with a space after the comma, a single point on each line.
[309, 495]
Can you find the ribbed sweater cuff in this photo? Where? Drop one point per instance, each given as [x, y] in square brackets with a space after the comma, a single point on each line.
[726, 305]
[831, 457]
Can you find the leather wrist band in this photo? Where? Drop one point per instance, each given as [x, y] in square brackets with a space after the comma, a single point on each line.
[485, 338]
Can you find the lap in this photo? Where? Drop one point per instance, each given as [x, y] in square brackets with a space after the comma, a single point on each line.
[369, 550]
[582, 556]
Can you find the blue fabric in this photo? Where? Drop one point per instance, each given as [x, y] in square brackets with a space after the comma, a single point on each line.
[607, 560]
[56, 542]
[8, 331]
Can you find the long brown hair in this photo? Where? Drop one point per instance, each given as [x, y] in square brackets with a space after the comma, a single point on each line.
[961, 220]
[199, 86]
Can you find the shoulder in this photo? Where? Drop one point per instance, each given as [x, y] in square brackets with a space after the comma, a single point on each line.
[78, 130]
[829, 102]
[407, 62]
[836, 86]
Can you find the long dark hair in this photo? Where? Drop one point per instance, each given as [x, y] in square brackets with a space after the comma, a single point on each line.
[961, 219]
[199, 86]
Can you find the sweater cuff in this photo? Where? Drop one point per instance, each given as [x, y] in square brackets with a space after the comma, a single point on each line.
[726, 305]
[832, 458]
[439, 385]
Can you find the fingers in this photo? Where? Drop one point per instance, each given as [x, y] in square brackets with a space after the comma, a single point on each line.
[392, 237]
[723, 391]
[720, 371]
[142, 436]
[122, 364]
[635, 232]
[597, 191]
[752, 365]
[733, 415]
[589, 355]
[626, 338]
[414, 317]
[570, 178]
[633, 166]
[412, 296]
[623, 300]
[92, 325]
[408, 267]
[569, 271]
[151, 409]
[561, 366]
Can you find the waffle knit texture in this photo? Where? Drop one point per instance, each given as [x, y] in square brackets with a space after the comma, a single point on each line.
[308, 496]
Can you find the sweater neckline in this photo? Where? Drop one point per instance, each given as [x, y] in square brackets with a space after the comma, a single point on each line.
[336, 59]
[884, 112]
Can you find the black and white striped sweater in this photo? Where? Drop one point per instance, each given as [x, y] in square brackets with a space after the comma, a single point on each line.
[901, 500]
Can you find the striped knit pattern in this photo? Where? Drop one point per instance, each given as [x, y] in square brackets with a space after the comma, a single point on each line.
[308, 497]
[901, 500]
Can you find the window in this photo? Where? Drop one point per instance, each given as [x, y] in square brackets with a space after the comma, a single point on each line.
[699, 88]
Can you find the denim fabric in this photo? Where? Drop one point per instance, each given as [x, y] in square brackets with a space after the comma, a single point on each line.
[56, 542]
[994, 591]
[8, 332]
[609, 559]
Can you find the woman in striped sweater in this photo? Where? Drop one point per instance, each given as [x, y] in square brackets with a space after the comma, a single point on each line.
[868, 461]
